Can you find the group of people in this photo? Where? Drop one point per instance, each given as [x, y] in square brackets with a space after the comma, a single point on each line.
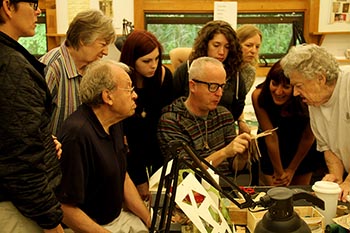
[81, 135]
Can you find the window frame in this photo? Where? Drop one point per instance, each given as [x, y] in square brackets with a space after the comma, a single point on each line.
[297, 22]
[42, 19]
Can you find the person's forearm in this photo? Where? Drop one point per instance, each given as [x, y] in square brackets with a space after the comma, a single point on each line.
[334, 164]
[274, 153]
[217, 157]
[78, 221]
[134, 203]
[304, 146]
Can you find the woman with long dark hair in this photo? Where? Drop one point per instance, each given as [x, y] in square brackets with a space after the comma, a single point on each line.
[153, 85]
[219, 40]
[289, 155]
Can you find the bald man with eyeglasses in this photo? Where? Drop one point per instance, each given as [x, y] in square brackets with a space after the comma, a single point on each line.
[201, 123]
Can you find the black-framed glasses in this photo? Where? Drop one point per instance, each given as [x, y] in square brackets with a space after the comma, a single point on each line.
[32, 3]
[212, 87]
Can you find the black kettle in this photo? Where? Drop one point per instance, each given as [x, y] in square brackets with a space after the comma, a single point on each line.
[281, 217]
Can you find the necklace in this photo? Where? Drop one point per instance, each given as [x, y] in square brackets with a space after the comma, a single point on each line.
[143, 113]
[205, 141]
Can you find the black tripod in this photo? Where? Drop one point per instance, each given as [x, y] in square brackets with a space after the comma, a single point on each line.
[169, 182]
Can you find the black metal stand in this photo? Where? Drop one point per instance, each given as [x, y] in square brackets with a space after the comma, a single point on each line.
[169, 183]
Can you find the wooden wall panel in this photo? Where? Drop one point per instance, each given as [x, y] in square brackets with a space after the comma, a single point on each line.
[244, 6]
[310, 7]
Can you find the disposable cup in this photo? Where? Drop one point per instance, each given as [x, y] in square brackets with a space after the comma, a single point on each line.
[328, 192]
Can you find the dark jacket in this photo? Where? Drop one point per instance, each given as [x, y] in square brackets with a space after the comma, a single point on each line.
[29, 168]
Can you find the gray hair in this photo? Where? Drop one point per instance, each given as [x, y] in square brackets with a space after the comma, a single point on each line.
[88, 26]
[311, 60]
[98, 77]
[197, 68]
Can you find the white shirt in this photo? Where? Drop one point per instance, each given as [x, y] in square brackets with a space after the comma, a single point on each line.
[330, 122]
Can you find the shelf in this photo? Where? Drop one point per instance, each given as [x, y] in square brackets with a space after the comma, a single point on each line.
[344, 60]
[323, 35]
[329, 33]
[55, 35]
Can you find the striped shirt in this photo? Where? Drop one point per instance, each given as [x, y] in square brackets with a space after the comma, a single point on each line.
[63, 80]
[177, 124]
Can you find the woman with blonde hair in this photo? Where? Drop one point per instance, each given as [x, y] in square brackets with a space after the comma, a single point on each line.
[250, 38]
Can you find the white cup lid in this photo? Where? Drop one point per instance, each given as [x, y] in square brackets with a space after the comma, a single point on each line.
[326, 187]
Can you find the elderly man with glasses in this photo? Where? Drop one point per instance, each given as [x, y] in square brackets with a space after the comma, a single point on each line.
[199, 122]
[29, 165]
[96, 192]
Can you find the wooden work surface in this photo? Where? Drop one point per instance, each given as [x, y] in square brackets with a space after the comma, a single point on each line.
[239, 216]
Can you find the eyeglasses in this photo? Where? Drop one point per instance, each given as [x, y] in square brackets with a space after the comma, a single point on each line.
[131, 90]
[212, 87]
[32, 3]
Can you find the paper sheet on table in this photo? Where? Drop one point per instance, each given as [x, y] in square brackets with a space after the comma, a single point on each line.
[343, 221]
[199, 212]
[155, 178]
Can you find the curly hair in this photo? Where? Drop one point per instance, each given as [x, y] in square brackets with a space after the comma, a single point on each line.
[311, 60]
[234, 58]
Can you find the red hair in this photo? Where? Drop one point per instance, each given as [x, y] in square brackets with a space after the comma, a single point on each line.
[138, 44]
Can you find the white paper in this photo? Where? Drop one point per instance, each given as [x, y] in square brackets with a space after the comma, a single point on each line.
[155, 178]
[197, 213]
[226, 11]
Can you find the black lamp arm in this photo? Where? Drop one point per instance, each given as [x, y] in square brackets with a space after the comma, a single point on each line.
[203, 173]
[301, 194]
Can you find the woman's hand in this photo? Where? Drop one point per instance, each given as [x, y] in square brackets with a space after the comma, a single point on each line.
[58, 146]
[281, 179]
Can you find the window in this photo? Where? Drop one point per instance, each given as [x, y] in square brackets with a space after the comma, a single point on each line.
[36, 45]
[280, 31]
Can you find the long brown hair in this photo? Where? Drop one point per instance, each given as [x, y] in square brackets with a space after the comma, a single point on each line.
[200, 47]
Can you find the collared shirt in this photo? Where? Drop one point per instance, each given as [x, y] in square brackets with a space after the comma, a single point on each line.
[93, 166]
[330, 122]
[63, 80]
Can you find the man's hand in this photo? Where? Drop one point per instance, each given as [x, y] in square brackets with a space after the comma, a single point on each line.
[243, 127]
[238, 145]
[331, 178]
[345, 191]
[144, 192]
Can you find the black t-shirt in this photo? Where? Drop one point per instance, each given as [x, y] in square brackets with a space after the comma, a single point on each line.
[93, 166]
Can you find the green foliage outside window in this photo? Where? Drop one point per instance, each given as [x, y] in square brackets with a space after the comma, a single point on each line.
[37, 44]
[173, 32]
[174, 35]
